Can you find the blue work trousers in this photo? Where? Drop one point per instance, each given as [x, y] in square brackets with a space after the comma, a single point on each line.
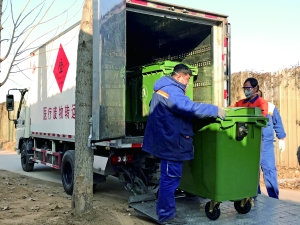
[268, 166]
[170, 174]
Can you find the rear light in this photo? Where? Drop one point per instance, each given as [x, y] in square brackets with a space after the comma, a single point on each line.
[121, 159]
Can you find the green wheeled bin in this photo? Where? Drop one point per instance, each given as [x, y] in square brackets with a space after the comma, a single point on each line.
[227, 159]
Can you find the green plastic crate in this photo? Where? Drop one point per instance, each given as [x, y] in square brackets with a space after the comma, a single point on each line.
[140, 84]
[226, 162]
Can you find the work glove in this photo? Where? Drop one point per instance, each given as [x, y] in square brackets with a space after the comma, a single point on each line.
[281, 145]
[221, 113]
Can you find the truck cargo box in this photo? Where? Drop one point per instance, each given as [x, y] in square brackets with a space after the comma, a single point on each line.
[131, 34]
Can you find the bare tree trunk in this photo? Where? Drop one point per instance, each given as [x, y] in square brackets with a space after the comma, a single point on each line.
[82, 199]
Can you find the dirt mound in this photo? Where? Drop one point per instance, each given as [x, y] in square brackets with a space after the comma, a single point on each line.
[7, 145]
[288, 178]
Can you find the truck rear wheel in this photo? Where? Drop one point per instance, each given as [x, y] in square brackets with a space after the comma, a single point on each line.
[26, 165]
[67, 171]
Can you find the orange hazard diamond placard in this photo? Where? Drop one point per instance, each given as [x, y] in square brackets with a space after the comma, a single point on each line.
[61, 67]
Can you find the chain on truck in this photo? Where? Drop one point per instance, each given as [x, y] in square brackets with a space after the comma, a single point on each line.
[134, 43]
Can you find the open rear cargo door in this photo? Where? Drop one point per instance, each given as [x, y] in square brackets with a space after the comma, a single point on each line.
[109, 51]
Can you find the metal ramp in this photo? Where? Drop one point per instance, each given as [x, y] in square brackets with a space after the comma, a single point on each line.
[267, 211]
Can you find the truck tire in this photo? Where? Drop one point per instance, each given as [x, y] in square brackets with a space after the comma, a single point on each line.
[26, 165]
[67, 171]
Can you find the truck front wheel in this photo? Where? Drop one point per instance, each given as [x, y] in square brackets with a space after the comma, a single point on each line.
[27, 166]
[67, 171]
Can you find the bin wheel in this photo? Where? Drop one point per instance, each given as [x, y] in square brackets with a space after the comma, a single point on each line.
[240, 209]
[215, 214]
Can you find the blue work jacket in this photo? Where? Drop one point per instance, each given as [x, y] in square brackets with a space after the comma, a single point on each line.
[169, 131]
[274, 124]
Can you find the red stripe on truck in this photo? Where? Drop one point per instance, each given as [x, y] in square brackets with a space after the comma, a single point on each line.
[210, 16]
[141, 2]
[225, 94]
[52, 134]
[58, 159]
[225, 42]
[161, 7]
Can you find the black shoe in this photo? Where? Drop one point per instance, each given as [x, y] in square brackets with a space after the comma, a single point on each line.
[175, 220]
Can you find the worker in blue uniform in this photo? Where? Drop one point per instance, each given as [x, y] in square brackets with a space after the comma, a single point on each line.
[267, 159]
[169, 135]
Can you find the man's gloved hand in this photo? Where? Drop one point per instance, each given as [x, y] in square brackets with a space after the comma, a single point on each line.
[221, 113]
[282, 145]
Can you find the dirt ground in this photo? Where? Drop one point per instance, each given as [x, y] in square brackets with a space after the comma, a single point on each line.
[288, 178]
[29, 201]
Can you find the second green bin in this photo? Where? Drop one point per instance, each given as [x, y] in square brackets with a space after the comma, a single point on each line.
[140, 88]
[227, 156]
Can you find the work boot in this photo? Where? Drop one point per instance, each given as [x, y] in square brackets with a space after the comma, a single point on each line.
[175, 220]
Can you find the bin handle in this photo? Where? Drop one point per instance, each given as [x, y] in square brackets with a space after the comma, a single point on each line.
[227, 122]
[231, 121]
[262, 123]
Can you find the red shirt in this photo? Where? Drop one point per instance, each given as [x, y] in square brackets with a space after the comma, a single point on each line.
[255, 102]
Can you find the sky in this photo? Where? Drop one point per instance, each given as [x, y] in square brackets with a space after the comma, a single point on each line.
[265, 34]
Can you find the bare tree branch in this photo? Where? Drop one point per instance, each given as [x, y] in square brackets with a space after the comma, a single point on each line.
[61, 25]
[14, 30]
[5, 20]
[13, 67]
[25, 29]
[61, 14]
[19, 70]
[4, 40]
[53, 49]
[3, 11]
[10, 67]
[11, 11]
[14, 82]
[30, 13]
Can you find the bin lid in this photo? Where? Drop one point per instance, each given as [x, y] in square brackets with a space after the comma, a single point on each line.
[243, 111]
[166, 67]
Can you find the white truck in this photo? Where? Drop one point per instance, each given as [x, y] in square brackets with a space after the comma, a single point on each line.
[128, 34]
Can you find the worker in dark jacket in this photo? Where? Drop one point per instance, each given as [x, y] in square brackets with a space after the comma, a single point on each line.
[169, 133]
[267, 157]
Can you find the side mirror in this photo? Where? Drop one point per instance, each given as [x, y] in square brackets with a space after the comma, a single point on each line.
[9, 102]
